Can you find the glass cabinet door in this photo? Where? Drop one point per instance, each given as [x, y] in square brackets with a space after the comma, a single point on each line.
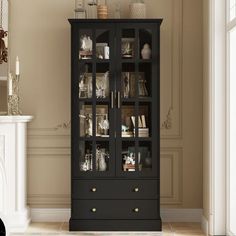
[96, 142]
[116, 86]
[137, 99]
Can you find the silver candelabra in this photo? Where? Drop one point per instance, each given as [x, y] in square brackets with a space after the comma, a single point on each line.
[13, 95]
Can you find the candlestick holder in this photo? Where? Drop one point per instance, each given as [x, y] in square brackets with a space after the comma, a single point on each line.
[14, 98]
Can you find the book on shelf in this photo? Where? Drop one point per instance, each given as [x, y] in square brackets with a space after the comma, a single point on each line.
[140, 125]
[127, 134]
[133, 120]
[141, 121]
[143, 132]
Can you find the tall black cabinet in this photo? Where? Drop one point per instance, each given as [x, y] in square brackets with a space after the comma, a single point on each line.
[115, 108]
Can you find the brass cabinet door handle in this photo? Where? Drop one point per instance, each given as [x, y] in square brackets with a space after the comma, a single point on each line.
[112, 99]
[136, 210]
[94, 209]
[136, 189]
[94, 189]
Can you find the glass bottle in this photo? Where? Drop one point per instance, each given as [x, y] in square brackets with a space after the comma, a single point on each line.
[80, 12]
[92, 9]
[117, 11]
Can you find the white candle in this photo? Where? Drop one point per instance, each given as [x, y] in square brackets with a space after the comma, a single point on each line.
[10, 90]
[17, 66]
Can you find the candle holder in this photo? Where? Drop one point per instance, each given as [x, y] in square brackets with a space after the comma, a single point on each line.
[13, 97]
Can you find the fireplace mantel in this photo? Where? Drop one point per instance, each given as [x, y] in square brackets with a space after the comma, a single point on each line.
[13, 137]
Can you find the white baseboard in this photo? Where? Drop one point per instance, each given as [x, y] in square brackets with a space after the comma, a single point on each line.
[50, 214]
[167, 215]
[204, 225]
[181, 215]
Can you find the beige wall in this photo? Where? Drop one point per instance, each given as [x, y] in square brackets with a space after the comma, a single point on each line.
[40, 35]
[3, 96]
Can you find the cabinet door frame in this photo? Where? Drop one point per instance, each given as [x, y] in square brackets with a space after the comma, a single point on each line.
[155, 103]
[76, 62]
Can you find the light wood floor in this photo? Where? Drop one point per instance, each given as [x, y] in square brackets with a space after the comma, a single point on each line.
[169, 229]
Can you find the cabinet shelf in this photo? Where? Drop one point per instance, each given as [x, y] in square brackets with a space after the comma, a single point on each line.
[96, 138]
[98, 100]
[139, 99]
[102, 60]
[133, 60]
[86, 100]
[148, 139]
[85, 61]
[102, 100]
[96, 60]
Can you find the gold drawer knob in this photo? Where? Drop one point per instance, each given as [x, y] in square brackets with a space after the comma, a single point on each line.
[93, 209]
[94, 190]
[136, 210]
[136, 190]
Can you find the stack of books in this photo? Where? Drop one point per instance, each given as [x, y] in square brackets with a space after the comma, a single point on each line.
[127, 134]
[129, 167]
[143, 131]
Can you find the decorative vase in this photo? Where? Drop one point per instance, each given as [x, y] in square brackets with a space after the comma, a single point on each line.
[92, 9]
[137, 10]
[80, 12]
[117, 12]
[102, 165]
[146, 51]
[102, 12]
[148, 162]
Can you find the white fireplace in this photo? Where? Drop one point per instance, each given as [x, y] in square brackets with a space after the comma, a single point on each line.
[13, 208]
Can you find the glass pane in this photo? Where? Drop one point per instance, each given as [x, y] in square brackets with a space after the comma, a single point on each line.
[127, 43]
[86, 156]
[86, 44]
[144, 156]
[144, 120]
[128, 156]
[102, 156]
[144, 80]
[232, 177]
[86, 119]
[102, 80]
[127, 119]
[145, 44]
[102, 120]
[232, 9]
[128, 80]
[102, 44]
[85, 81]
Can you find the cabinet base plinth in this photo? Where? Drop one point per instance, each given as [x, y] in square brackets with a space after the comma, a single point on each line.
[115, 225]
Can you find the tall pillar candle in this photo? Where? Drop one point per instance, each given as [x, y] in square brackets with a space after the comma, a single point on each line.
[17, 66]
[10, 90]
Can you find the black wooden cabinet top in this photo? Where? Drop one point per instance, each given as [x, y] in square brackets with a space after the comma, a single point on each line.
[156, 20]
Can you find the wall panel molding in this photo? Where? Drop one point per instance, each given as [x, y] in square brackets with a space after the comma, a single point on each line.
[49, 151]
[171, 170]
[47, 80]
[171, 98]
[171, 176]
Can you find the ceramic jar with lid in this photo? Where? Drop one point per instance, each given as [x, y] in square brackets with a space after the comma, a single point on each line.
[146, 51]
[102, 12]
[137, 10]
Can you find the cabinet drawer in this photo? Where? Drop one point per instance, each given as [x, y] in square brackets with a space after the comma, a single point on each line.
[115, 189]
[115, 209]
